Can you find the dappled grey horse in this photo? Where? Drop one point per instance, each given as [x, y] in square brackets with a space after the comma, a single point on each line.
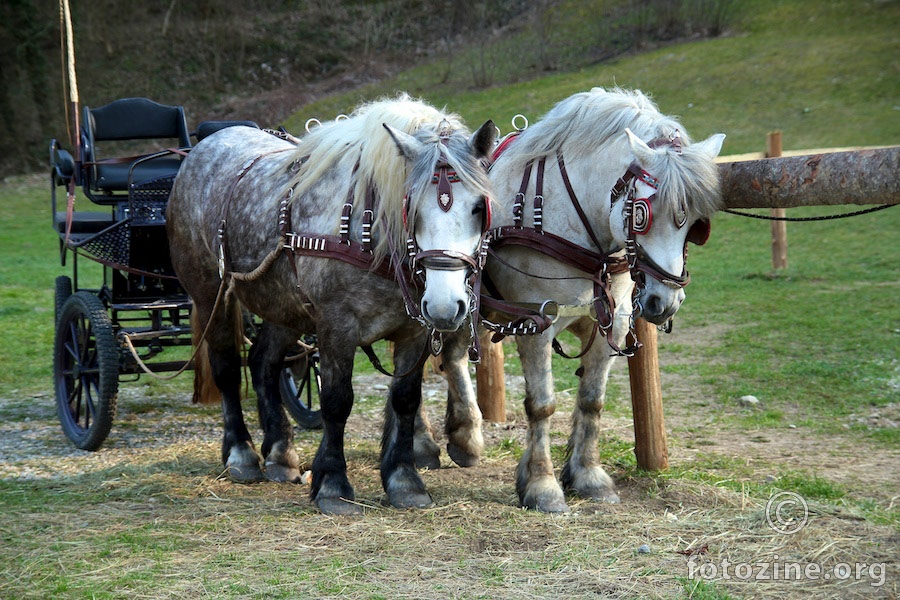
[334, 235]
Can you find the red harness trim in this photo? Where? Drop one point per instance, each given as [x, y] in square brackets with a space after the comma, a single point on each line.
[504, 144]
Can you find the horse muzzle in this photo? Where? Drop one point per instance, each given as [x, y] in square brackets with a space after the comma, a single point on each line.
[445, 303]
[447, 297]
[658, 308]
[447, 317]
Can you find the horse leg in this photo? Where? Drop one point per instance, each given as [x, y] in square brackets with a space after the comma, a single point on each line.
[266, 363]
[465, 443]
[330, 490]
[536, 483]
[425, 449]
[582, 473]
[238, 454]
[401, 481]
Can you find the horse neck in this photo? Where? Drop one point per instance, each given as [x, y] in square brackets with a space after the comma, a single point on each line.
[592, 176]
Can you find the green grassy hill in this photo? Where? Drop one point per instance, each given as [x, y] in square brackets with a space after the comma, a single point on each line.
[825, 73]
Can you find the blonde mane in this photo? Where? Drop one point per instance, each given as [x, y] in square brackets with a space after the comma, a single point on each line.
[364, 138]
[586, 121]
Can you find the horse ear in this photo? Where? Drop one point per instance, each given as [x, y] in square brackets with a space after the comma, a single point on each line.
[712, 145]
[409, 146]
[642, 152]
[482, 141]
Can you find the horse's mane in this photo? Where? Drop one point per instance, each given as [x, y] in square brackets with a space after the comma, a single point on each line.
[380, 163]
[586, 121]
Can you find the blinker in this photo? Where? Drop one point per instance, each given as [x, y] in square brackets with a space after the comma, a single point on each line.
[641, 216]
[699, 232]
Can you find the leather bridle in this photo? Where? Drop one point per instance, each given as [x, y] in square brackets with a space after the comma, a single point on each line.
[445, 260]
[638, 216]
[600, 266]
[438, 259]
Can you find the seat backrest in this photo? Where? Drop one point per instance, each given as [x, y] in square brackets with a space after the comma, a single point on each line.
[135, 119]
[207, 128]
[125, 123]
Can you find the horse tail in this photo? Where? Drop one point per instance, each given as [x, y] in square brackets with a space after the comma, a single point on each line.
[205, 390]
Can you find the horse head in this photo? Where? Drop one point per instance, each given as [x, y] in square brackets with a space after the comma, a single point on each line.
[446, 214]
[670, 191]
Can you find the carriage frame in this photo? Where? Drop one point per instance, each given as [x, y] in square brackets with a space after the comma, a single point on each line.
[118, 328]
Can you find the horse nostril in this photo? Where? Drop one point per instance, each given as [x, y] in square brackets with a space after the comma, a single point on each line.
[461, 313]
[653, 306]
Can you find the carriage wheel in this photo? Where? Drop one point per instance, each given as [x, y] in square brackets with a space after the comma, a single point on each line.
[63, 291]
[86, 370]
[300, 383]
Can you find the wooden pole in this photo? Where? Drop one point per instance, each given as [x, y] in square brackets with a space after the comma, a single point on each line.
[851, 177]
[490, 380]
[650, 442]
[779, 228]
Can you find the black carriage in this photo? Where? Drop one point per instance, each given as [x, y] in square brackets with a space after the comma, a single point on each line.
[117, 328]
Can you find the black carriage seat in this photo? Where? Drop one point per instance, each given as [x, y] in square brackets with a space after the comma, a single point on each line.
[106, 179]
[207, 128]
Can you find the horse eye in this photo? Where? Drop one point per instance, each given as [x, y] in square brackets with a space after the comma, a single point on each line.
[479, 207]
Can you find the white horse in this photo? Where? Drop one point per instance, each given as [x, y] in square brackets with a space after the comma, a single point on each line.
[320, 237]
[595, 205]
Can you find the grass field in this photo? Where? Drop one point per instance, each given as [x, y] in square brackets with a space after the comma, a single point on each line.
[818, 344]
[825, 73]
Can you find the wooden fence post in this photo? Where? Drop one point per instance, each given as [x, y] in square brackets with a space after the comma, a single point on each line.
[779, 228]
[490, 380]
[650, 441]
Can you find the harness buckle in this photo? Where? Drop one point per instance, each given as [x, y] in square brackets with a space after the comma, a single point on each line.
[554, 306]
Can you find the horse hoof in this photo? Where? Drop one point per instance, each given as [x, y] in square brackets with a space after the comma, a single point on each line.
[554, 507]
[461, 457]
[282, 474]
[338, 507]
[411, 500]
[428, 461]
[244, 473]
[547, 503]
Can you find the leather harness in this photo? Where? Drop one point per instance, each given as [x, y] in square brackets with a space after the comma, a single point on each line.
[407, 271]
[598, 264]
